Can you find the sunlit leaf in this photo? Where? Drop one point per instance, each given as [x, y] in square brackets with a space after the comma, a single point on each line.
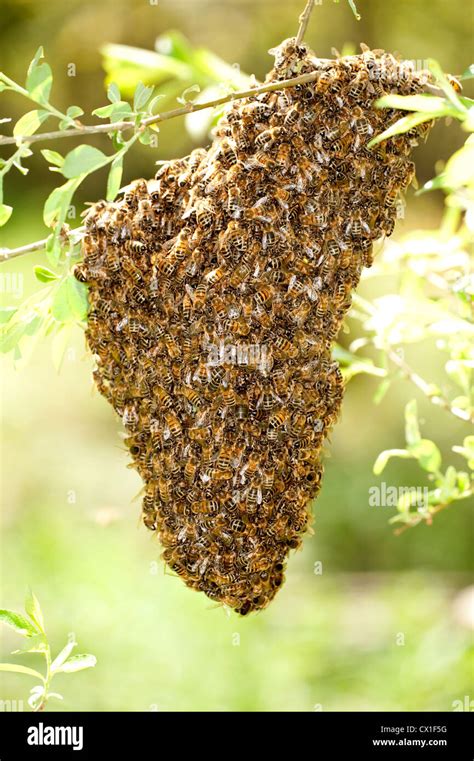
[6, 313]
[30, 122]
[404, 124]
[39, 79]
[115, 178]
[184, 97]
[77, 663]
[5, 213]
[33, 609]
[53, 157]
[18, 622]
[141, 96]
[113, 92]
[58, 201]
[63, 655]
[427, 454]
[70, 302]
[83, 160]
[385, 456]
[44, 275]
[18, 669]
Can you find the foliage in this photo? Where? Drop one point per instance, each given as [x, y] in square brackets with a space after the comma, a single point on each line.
[32, 628]
[434, 301]
[449, 487]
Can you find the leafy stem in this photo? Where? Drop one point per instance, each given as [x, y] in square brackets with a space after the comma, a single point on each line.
[32, 627]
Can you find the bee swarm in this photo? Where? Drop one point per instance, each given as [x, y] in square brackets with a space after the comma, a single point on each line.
[256, 242]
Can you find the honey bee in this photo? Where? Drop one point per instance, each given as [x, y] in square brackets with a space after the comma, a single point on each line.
[241, 272]
[199, 297]
[163, 398]
[215, 276]
[268, 137]
[130, 417]
[283, 155]
[173, 424]
[284, 346]
[278, 418]
[229, 397]
[358, 85]
[292, 116]
[80, 272]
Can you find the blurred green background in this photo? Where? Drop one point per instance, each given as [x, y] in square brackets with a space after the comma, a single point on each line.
[384, 625]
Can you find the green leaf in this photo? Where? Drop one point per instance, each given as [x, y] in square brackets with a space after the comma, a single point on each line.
[412, 431]
[39, 79]
[183, 98]
[116, 111]
[175, 45]
[458, 170]
[16, 668]
[153, 102]
[127, 65]
[37, 57]
[30, 122]
[427, 454]
[404, 124]
[468, 73]
[6, 313]
[74, 111]
[70, 302]
[104, 111]
[120, 111]
[53, 157]
[77, 663]
[18, 622]
[63, 655]
[113, 93]
[115, 178]
[44, 275]
[58, 202]
[382, 389]
[83, 160]
[33, 609]
[141, 96]
[385, 456]
[467, 450]
[11, 337]
[448, 89]
[427, 104]
[5, 213]
[36, 644]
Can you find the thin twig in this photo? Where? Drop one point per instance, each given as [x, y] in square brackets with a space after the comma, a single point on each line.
[10, 253]
[417, 519]
[189, 108]
[426, 388]
[304, 19]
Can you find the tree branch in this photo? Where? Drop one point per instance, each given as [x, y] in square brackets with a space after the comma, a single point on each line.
[426, 388]
[10, 253]
[304, 19]
[189, 108]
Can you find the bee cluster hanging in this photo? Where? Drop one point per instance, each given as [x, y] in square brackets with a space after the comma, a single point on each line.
[216, 290]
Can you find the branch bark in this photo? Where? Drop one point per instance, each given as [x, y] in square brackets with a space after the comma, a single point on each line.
[304, 20]
[190, 108]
